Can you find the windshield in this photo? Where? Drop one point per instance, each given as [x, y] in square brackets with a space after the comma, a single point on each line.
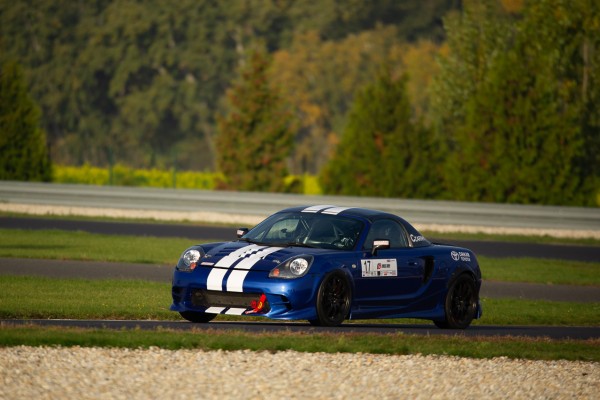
[307, 229]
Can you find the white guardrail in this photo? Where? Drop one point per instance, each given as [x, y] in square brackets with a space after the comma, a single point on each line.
[225, 206]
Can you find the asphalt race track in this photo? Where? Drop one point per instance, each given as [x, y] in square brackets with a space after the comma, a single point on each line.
[197, 234]
[552, 332]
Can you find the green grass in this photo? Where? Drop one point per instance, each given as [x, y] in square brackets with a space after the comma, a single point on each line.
[538, 312]
[25, 297]
[538, 270]
[39, 297]
[68, 245]
[475, 347]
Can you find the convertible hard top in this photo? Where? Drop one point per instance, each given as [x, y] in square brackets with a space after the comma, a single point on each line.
[366, 213]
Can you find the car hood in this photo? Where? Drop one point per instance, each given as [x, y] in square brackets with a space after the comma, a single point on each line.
[258, 257]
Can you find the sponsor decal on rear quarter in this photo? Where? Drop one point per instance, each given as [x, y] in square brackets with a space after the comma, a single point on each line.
[460, 255]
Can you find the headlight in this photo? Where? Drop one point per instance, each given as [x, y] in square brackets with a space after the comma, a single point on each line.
[189, 259]
[294, 267]
[298, 266]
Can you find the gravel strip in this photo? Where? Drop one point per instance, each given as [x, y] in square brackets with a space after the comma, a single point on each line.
[92, 373]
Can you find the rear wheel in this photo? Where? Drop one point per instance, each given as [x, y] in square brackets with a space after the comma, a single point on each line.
[333, 300]
[197, 317]
[461, 304]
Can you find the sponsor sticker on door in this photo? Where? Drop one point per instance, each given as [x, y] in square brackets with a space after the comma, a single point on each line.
[379, 267]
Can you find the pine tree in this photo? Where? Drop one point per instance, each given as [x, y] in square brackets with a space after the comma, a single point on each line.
[23, 152]
[514, 104]
[382, 151]
[256, 137]
[520, 138]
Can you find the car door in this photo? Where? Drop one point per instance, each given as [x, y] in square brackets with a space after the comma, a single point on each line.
[390, 277]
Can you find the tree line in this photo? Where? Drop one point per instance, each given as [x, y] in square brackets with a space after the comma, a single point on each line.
[377, 98]
[144, 82]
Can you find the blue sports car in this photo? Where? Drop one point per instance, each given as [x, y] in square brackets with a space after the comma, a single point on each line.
[326, 264]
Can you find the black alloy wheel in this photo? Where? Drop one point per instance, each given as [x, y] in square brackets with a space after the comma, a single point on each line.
[461, 303]
[333, 300]
[197, 317]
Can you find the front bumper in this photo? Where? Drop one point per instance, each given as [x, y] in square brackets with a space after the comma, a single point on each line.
[286, 298]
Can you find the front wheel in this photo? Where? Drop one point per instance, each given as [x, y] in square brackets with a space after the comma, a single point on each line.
[197, 317]
[333, 300]
[460, 304]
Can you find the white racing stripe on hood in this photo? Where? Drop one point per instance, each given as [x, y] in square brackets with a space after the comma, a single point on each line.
[249, 262]
[235, 282]
[232, 257]
[218, 272]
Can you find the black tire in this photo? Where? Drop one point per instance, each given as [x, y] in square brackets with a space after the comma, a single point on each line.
[460, 304]
[333, 300]
[197, 317]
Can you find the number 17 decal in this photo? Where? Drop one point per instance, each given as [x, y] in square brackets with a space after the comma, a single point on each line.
[379, 267]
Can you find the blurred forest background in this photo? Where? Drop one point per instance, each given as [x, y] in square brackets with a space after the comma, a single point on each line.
[477, 100]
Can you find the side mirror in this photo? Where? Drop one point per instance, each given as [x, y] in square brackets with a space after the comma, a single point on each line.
[380, 245]
[241, 232]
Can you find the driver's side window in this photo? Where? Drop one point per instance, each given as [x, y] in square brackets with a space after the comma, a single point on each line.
[386, 229]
